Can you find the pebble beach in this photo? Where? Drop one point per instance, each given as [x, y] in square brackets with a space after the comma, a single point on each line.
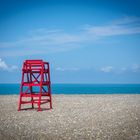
[73, 117]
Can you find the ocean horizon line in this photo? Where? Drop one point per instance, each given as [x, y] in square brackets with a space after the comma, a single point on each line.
[88, 83]
[79, 88]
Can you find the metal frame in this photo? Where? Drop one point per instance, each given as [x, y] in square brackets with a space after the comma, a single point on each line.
[35, 73]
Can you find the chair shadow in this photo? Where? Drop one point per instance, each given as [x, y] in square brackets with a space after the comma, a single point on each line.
[35, 108]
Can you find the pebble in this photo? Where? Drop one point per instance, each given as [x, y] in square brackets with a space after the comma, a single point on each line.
[102, 117]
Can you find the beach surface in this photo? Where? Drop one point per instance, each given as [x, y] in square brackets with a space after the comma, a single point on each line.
[75, 117]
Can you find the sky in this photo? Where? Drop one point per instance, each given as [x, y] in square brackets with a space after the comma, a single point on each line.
[85, 41]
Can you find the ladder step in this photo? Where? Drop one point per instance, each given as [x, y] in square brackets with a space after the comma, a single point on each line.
[34, 94]
[42, 101]
[35, 84]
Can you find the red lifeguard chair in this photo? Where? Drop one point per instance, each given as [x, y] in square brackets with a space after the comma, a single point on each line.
[35, 85]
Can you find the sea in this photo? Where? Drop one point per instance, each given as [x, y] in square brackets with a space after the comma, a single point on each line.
[8, 89]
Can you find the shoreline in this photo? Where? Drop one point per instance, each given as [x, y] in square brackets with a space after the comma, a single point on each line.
[76, 116]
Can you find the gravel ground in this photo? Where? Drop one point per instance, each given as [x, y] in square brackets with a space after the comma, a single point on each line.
[73, 117]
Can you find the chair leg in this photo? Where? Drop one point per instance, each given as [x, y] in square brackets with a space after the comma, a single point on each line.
[32, 102]
[19, 105]
[39, 103]
[50, 102]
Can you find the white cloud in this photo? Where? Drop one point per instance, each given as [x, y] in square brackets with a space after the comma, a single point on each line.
[44, 39]
[125, 26]
[107, 69]
[127, 20]
[135, 67]
[120, 70]
[56, 40]
[112, 30]
[60, 69]
[13, 67]
[5, 67]
[52, 41]
[123, 68]
[66, 69]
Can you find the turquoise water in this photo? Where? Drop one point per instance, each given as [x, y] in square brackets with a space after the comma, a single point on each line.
[79, 88]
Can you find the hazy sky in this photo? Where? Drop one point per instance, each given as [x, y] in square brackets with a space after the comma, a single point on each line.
[85, 41]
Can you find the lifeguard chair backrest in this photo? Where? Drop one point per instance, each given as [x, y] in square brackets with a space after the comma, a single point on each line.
[36, 66]
[33, 65]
